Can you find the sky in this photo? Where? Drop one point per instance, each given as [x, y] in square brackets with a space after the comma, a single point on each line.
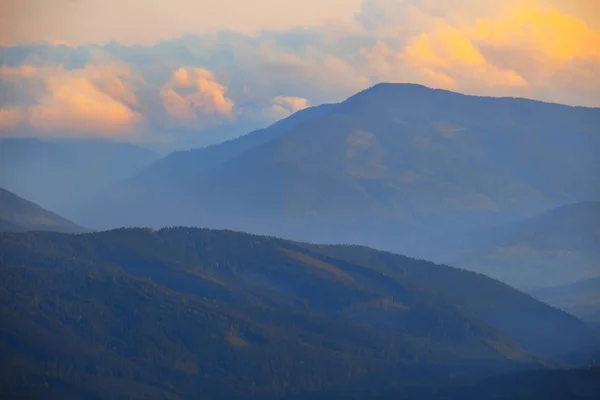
[185, 73]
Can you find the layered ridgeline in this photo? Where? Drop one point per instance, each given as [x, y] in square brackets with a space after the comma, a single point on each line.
[555, 248]
[581, 298]
[53, 173]
[137, 313]
[20, 215]
[389, 163]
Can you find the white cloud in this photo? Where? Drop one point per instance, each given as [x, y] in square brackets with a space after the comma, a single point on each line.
[282, 106]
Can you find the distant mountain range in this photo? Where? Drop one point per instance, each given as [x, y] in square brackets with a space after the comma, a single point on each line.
[581, 298]
[56, 174]
[20, 215]
[390, 164]
[180, 311]
[555, 248]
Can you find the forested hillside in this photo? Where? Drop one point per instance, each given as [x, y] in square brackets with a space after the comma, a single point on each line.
[171, 313]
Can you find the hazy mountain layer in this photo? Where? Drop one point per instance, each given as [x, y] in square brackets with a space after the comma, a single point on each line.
[581, 298]
[19, 215]
[58, 173]
[389, 164]
[558, 247]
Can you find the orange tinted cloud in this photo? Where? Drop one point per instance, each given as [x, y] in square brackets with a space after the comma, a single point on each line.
[61, 43]
[193, 92]
[446, 55]
[555, 36]
[521, 49]
[95, 100]
[76, 104]
[548, 47]
[9, 118]
[285, 105]
[151, 21]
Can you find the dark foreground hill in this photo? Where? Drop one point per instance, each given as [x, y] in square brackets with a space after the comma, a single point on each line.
[137, 313]
[20, 215]
[578, 384]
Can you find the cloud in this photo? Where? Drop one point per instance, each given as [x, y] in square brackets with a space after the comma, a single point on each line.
[76, 104]
[227, 81]
[9, 118]
[555, 38]
[102, 21]
[450, 59]
[558, 36]
[98, 100]
[194, 93]
[283, 106]
[547, 47]
[514, 48]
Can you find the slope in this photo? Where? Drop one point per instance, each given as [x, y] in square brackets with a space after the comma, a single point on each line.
[537, 327]
[19, 215]
[182, 166]
[143, 313]
[140, 313]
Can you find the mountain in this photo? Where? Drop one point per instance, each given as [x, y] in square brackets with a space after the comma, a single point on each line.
[182, 166]
[389, 164]
[581, 298]
[537, 385]
[574, 384]
[54, 173]
[20, 215]
[555, 248]
[158, 190]
[138, 313]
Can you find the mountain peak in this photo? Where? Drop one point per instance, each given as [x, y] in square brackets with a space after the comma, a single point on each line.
[401, 86]
[411, 89]
[396, 88]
